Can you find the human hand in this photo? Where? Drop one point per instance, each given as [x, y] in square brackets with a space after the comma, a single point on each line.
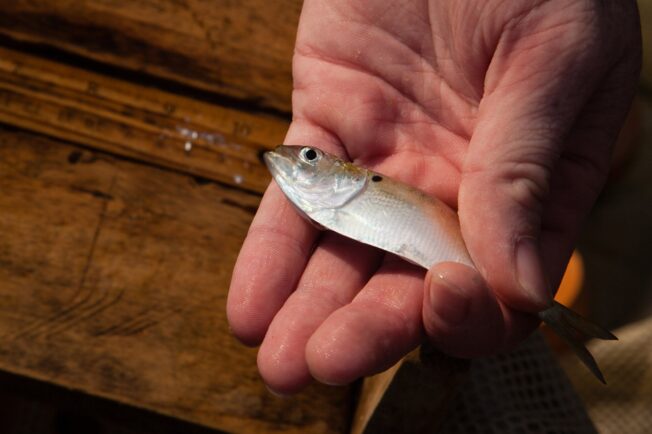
[505, 110]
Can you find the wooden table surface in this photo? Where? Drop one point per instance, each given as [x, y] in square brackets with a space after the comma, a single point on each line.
[130, 138]
[130, 142]
[240, 48]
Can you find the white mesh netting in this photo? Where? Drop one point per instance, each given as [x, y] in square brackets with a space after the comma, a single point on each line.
[525, 391]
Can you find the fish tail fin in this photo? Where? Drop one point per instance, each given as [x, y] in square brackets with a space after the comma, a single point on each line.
[573, 329]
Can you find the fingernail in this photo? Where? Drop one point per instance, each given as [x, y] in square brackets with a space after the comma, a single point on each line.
[529, 271]
[275, 393]
[447, 300]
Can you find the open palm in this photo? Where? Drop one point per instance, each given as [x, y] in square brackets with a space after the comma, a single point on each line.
[505, 110]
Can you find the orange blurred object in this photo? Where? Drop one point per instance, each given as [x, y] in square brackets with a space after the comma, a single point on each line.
[571, 284]
[569, 294]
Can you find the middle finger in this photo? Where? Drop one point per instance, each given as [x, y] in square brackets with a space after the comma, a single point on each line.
[337, 270]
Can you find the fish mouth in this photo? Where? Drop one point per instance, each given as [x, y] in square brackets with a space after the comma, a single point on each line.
[279, 162]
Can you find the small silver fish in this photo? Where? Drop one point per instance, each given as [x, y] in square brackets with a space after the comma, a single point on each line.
[373, 209]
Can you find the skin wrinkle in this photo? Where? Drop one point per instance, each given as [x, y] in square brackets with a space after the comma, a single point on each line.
[264, 232]
[533, 147]
[527, 174]
[514, 163]
[471, 99]
[527, 10]
[475, 95]
[585, 158]
[528, 194]
[464, 59]
[377, 24]
[338, 149]
[490, 48]
[320, 287]
[391, 300]
[400, 93]
[587, 164]
[572, 33]
[399, 122]
[413, 101]
[393, 37]
[534, 75]
[391, 304]
[508, 39]
[383, 160]
[410, 147]
[316, 53]
[321, 294]
[374, 98]
[377, 353]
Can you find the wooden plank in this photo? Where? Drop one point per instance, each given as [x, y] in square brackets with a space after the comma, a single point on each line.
[113, 279]
[34, 407]
[145, 123]
[238, 48]
[412, 396]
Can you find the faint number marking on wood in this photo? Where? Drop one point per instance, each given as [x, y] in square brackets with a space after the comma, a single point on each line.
[197, 19]
[17, 66]
[93, 88]
[241, 129]
[31, 107]
[79, 310]
[5, 98]
[169, 108]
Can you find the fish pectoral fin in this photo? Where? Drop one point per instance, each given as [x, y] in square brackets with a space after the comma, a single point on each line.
[573, 329]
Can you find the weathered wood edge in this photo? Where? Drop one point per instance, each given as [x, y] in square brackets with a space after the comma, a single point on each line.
[157, 248]
[242, 49]
[147, 124]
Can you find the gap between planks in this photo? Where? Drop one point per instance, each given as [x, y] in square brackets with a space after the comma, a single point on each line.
[138, 122]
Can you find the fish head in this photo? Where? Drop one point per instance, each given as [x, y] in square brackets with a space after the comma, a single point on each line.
[314, 180]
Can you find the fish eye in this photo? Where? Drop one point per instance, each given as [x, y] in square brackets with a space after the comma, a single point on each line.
[310, 155]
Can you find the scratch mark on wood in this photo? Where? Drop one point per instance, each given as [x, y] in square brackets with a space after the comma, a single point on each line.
[90, 312]
[95, 193]
[140, 322]
[39, 327]
[128, 328]
[247, 208]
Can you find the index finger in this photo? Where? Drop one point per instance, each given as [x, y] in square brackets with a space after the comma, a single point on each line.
[272, 259]
[275, 252]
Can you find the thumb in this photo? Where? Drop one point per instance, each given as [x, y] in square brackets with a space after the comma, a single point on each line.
[501, 201]
[463, 317]
[532, 98]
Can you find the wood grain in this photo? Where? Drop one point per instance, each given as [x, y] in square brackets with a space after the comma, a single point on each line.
[113, 278]
[241, 48]
[145, 123]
